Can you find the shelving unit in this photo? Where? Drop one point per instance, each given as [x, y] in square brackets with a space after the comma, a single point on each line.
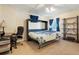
[71, 29]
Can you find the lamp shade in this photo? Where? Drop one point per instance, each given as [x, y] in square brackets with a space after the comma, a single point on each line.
[2, 24]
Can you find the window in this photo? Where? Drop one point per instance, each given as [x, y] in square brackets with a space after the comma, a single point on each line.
[54, 25]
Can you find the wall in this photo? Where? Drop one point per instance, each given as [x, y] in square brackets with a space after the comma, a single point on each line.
[43, 17]
[0, 13]
[13, 17]
[72, 13]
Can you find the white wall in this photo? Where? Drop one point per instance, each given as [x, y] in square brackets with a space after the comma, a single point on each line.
[72, 13]
[13, 17]
[42, 17]
[0, 13]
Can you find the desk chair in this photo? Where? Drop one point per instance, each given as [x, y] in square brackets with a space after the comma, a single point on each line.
[17, 37]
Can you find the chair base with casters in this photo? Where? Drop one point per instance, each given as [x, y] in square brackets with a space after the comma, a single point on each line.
[19, 39]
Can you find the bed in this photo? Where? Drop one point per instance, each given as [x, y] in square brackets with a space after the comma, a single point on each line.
[41, 36]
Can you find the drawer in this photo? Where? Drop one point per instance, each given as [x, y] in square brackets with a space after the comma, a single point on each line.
[4, 48]
[4, 42]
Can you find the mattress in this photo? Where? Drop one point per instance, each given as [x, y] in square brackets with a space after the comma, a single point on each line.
[42, 37]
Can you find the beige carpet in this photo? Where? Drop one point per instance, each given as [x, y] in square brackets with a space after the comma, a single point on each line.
[61, 47]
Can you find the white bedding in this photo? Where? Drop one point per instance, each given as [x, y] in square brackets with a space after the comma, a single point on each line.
[42, 37]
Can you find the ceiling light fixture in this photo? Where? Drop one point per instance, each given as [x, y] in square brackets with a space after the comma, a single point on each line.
[47, 10]
[50, 9]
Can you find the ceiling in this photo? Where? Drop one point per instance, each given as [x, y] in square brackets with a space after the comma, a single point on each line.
[40, 8]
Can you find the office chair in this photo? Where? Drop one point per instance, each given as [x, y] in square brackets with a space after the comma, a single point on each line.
[17, 37]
